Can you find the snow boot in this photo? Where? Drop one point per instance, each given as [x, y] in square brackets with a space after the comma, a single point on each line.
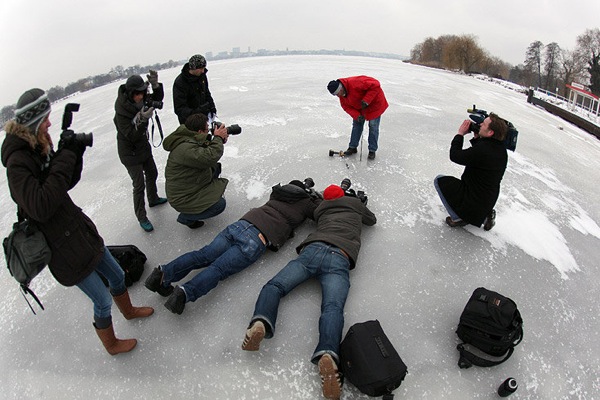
[112, 344]
[129, 312]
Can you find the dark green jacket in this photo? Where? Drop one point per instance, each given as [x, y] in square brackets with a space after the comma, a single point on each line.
[339, 223]
[192, 162]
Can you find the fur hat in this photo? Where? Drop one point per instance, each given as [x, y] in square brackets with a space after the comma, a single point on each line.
[33, 106]
[197, 61]
[334, 87]
[333, 192]
[135, 83]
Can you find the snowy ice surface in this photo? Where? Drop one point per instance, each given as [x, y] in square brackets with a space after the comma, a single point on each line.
[414, 273]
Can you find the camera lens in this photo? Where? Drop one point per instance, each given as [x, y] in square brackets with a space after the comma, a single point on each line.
[234, 130]
[346, 183]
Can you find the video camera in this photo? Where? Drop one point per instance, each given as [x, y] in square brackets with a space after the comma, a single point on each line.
[477, 117]
[346, 184]
[87, 139]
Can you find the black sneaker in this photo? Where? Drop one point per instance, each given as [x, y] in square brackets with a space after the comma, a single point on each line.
[490, 221]
[154, 283]
[176, 301]
[195, 224]
[350, 151]
[371, 155]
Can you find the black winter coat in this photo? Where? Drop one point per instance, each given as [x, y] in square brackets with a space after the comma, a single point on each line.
[287, 208]
[191, 95]
[474, 195]
[339, 223]
[132, 142]
[76, 245]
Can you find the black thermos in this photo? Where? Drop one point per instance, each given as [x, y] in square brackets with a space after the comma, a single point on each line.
[508, 387]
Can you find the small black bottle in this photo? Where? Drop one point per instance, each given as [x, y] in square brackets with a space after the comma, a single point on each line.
[508, 387]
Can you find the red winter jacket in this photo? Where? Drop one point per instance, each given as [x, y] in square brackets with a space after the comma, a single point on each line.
[363, 88]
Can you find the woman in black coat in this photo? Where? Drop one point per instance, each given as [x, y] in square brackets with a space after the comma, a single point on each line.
[471, 199]
[39, 180]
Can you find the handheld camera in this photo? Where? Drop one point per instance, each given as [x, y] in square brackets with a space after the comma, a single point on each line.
[87, 139]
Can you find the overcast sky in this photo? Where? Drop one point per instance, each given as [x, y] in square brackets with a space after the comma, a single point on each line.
[48, 43]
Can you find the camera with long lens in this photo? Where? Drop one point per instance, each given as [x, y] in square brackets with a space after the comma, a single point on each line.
[87, 139]
[348, 191]
[153, 103]
[477, 117]
[309, 183]
[231, 130]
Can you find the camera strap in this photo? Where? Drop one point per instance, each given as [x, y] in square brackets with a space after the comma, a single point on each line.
[159, 130]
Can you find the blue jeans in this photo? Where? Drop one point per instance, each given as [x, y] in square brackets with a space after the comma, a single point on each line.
[357, 129]
[234, 249]
[210, 212]
[94, 288]
[452, 213]
[332, 269]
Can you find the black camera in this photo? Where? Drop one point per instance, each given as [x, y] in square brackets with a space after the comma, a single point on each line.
[153, 103]
[87, 139]
[478, 116]
[346, 184]
[309, 183]
[231, 130]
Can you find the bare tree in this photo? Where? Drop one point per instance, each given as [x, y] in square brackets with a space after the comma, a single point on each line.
[463, 53]
[552, 56]
[533, 61]
[588, 47]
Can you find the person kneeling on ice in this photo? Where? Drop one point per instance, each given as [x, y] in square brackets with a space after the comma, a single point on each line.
[238, 246]
[471, 199]
[328, 255]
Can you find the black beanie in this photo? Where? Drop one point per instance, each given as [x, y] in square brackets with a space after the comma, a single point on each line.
[298, 183]
[334, 87]
[33, 106]
[135, 83]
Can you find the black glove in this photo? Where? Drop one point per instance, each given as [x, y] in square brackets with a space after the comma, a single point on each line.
[152, 76]
[364, 104]
[69, 142]
[361, 119]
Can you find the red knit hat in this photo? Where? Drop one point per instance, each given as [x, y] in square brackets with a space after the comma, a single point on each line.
[333, 192]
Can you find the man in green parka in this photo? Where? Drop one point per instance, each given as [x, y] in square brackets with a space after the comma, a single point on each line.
[193, 185]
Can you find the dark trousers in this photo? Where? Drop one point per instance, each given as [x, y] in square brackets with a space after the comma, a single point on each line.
[143, 177]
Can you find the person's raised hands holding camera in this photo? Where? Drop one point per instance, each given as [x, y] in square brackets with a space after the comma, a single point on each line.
[152, 76]
[143, 115]
[221, 131]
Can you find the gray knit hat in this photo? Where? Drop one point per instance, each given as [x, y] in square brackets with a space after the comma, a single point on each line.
[33, 106]
[197, 61]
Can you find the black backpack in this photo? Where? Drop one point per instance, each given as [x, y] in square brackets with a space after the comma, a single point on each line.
[369, 361]
[131, 259]
[492, 324]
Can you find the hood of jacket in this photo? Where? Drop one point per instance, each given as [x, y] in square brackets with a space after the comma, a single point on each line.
[181, 135]
[18, 137]
[124, 105]
[288, 193]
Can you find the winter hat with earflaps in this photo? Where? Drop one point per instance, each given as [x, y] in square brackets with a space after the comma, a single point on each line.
[33, 106]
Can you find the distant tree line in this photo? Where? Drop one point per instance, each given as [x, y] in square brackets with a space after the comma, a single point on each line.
[117, 73]
[546, 66]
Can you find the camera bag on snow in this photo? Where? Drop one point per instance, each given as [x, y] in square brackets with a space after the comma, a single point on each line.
[27, 254]
[369, 361]
[492, 324]
[131, 259]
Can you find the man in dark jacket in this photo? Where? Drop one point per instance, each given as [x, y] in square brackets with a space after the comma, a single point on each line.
[237, 247]
[363, 99]
[131, 119]
[190, 90]
[39, 181]
[327, 255]
[193, 182]
[471, 199]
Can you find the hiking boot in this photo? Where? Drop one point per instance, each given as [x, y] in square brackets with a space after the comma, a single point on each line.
[176, 301]
[154, 283]
[147, 225]
[330, 377]
[350, 151]
[157, 202]
[490, 220]
[455, 223]
[254, 335]
[371, 155]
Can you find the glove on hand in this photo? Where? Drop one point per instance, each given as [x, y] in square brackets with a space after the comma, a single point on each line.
[153, 78]
[361, 119]
[143, 116]
[68, 142]
[364, 104]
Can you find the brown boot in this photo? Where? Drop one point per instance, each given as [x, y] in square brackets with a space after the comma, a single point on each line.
[129, 312]
[112, 344]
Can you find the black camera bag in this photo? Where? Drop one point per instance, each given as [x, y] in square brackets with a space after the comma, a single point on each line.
[369, 361]
[491, 323]
[131, 259]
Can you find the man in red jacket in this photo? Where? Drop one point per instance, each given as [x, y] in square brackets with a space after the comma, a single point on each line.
[362, 98]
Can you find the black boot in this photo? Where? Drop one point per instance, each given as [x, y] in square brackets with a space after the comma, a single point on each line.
[154, 283]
